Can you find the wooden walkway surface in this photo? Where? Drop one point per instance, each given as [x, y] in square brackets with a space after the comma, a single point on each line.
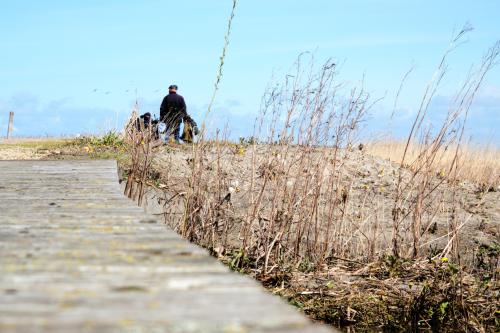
[77, 256]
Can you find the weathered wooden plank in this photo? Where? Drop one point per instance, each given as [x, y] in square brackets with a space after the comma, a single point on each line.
[75, 255]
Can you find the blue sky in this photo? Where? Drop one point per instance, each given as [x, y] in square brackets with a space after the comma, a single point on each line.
[70, 67]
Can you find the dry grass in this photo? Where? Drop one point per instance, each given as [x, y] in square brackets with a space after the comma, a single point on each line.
[398, 296]
[35, 143]
[140, 143]
[479, 164]
[300, 204]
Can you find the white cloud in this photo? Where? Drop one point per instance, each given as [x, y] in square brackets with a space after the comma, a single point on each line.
[57, 117]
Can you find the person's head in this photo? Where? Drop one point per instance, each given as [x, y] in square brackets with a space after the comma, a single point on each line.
[172, 88]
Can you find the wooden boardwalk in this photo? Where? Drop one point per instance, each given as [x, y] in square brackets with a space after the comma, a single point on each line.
[77, 256]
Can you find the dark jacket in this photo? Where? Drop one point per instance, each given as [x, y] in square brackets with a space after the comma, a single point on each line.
[172, 108]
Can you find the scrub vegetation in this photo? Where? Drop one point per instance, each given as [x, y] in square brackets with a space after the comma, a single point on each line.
[390, 236]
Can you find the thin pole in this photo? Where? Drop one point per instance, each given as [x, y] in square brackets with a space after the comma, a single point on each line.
[11, 124]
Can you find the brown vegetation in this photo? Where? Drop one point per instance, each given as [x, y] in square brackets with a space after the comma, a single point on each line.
[480, 163]
[349, 238]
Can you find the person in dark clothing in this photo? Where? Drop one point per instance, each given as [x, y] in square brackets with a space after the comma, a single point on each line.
[172, 111]
[147, 119]
[143, 121]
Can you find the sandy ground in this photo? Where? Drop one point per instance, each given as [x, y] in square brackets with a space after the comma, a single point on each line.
[371, 183]
[22, 153]
[29, 148]
[358, 288]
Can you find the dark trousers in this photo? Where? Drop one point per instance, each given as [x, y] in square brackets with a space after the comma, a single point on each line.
[176, 129]
[173, 125]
